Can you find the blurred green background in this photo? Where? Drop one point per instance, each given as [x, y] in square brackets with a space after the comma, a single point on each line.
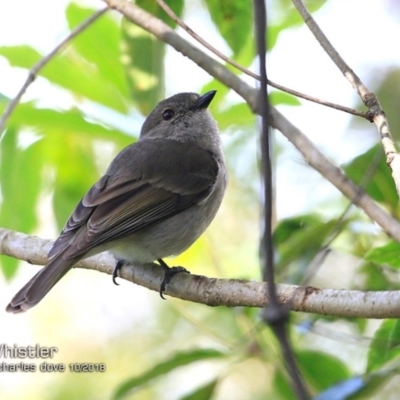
[90, 101]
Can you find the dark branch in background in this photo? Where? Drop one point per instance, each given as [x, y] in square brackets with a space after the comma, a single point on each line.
[375, 112]
[42, 62]
[267, 248]
[275, 314]
[246, 71]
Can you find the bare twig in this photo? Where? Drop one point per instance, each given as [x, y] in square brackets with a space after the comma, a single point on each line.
[218, 292]
[42, 62]
[246, 71]
[375, 113]
[207, 45]
[319, 101]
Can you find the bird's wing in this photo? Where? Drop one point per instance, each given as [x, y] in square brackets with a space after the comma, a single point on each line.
[135, 193]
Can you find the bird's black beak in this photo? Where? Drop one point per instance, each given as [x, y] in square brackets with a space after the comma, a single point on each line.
[205, 100]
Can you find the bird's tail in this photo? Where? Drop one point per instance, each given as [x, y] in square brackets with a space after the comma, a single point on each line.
[34, 291]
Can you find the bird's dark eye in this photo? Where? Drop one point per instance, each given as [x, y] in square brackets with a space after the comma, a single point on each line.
[168, 114]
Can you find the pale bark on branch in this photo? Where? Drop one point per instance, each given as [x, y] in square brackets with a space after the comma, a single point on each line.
[220, 292]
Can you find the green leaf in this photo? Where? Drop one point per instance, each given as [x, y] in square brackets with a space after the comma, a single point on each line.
[278, 98]
[71, 72]
[287, 17]
[143, 59]
[143, 56]
[388, 254]
[202, 393]
[385, 345]
[233, 20]
[321, 370]
[99, 44]
[20, 56]
[238, 114]
[20, 174]
[154, 9]
[380, 186]
[176, 361]
[66, 122]
[281, 389]
[374, 278]
[299, 239]
[246, 55]
[68, 148]
[76, 172]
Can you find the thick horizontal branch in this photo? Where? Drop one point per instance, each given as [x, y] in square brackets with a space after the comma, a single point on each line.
[220, 292]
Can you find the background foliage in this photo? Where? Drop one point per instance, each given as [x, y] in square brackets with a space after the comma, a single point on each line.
[110, 77]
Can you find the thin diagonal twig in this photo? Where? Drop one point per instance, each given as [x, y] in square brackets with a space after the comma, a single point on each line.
[246, 71]
[375, 112]
[42, 62]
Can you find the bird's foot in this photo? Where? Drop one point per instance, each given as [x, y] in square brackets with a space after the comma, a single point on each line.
[169, 272]
[117, 267]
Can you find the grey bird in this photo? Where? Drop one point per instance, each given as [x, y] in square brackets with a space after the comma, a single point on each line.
[156, 198]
